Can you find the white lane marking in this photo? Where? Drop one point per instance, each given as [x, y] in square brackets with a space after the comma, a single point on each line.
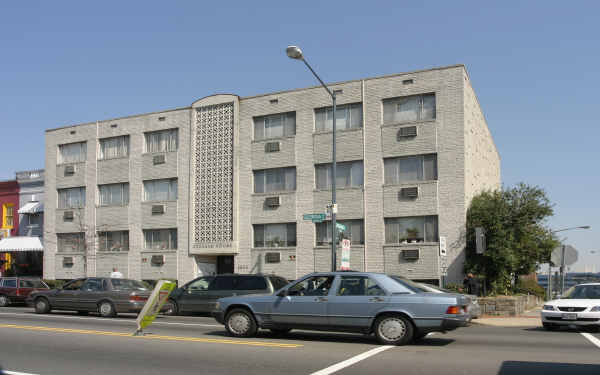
[592, 339]
[17, 373]
[110, 320]
[351, 361]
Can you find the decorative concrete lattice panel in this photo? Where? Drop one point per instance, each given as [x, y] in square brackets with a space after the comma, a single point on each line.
[213, 171]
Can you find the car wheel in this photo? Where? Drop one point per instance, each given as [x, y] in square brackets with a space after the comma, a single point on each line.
[240, 323]
[4, 301]
[550, 326]
[106, 309]
[172, 308]
[393, 330]
[280, 331]
[42, 306]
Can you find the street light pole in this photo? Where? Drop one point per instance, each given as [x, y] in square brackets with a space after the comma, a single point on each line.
[562, 262]
[295, 53]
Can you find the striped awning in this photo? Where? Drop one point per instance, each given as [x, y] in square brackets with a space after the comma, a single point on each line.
[32, 208]
[16, 244]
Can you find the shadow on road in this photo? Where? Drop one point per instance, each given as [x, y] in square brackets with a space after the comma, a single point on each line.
[565, 329]
[546, 368]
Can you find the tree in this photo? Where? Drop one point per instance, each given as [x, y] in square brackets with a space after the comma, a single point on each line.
[517, 238]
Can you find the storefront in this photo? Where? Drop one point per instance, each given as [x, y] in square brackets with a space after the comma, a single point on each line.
[21, 256]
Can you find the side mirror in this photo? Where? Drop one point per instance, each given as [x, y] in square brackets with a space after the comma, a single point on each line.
[283, 293]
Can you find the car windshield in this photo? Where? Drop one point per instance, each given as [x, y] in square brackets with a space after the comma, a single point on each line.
[415, 287]
[126, 284]
[583, 292]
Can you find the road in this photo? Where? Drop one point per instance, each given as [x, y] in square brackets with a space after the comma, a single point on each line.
[66, 344]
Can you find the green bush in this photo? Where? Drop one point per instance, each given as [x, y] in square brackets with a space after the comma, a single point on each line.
[53, 284]
[530, 286]
[454, 287]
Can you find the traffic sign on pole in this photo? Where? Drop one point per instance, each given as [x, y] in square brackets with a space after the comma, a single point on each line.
[340, 227]
[315, 218]
[345, 262]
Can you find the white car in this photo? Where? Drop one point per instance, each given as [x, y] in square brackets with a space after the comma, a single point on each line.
[579, 306]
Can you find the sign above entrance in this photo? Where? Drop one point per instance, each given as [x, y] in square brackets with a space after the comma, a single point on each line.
[315, 218]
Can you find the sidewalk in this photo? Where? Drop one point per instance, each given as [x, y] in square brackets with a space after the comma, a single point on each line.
[529, 318]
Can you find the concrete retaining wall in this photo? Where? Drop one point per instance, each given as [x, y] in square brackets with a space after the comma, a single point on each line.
[508, 305]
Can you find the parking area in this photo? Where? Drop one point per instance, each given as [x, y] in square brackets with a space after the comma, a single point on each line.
[63, 343]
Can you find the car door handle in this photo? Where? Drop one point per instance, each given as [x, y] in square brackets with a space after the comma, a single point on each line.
[376, 299]
[321, 299]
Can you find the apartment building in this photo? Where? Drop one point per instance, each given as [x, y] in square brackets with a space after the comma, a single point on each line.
[222, 185]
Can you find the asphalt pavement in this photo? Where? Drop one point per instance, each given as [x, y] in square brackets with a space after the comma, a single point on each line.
[66, 344]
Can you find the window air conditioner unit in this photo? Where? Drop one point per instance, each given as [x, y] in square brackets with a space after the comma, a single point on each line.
[69, 170]
[409, 192]
[412, 254]
[67, 261]
[157, 260]
[407, 132]
[158, 209]
[272, 257]
[272, 147]
[158, 159]
[68, 216]
[273, 201]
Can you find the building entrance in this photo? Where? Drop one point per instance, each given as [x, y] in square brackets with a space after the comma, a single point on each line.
[224, 264]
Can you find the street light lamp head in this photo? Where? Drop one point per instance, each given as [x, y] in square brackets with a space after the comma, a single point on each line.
[294, 52]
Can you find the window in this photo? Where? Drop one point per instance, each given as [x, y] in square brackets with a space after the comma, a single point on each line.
[10, 283]
[359, 286]
[312, 286]
[409, 108]
[160, 239]
[74, 285]
[251, 283]
[23, 283]
[92, 285]
[275, 235]
[114, 194]
[200, 284]
[410, 168]
[223, 283]
[72, 153]
[348, 174]
[70, 242]
[278, 282]
[277, 179]
[411, 229]
[71, 198]
[112, 148]
[275, 126]
[113, 241]
[354, 231]
[8, 220]
[161, 141]
[127, 284]
[346, 117]
[160, 190]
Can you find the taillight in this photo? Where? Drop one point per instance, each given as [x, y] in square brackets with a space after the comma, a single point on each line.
[135, 298]
[18, 292]
[455, 310]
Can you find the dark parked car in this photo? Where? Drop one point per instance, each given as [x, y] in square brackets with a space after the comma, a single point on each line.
[396, 310]
[202, 293]
[17, 289]
[94, 294]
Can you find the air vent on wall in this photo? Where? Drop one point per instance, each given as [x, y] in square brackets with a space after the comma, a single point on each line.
[272, 257]
[274, 101]
[158, 159]
[272, 147]
[408, 82]
[407, 132]
[113, 125]
[409, 192]
[272, 201]
[162, 118]
[412, 254]
[158, 209]
[157, 260]
[69, 170]
[68, 216]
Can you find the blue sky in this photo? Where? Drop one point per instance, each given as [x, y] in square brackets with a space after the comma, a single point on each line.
[535, 67]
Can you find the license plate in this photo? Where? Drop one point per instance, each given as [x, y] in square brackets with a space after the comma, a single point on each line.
[569, 316]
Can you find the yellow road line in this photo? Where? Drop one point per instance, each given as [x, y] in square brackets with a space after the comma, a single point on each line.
[152, 337]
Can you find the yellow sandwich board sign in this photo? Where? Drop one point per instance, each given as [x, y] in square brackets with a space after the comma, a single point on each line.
[157, 299]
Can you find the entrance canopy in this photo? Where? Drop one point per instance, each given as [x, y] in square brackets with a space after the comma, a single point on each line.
[32, 208]
[18, 244]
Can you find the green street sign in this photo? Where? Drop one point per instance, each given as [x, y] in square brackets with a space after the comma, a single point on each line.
[315, 218]
[340, 227]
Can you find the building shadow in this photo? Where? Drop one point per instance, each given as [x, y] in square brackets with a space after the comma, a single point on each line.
[547, 368]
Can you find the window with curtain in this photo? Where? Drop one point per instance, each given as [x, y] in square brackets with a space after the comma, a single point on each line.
[113, 241]
[275, 235]
[410, 168]
[114, 194]
[411, 229]
[355, 232]
[349, 174]
[70, 242]
[160, 239]
[277, 179]
[71, 197]
[161, 141]
[9, 216]
[275, 126]
[112, 148]
[347, 116]
[409, 108]
[72, 153]
[160, 190]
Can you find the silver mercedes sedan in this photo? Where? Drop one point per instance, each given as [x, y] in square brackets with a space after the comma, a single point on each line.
[396, 310]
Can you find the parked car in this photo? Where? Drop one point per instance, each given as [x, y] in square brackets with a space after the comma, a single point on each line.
[201, 294]
[395, 310]
[17, 289]
[104, 295]
[473, 309]
[579, 306]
